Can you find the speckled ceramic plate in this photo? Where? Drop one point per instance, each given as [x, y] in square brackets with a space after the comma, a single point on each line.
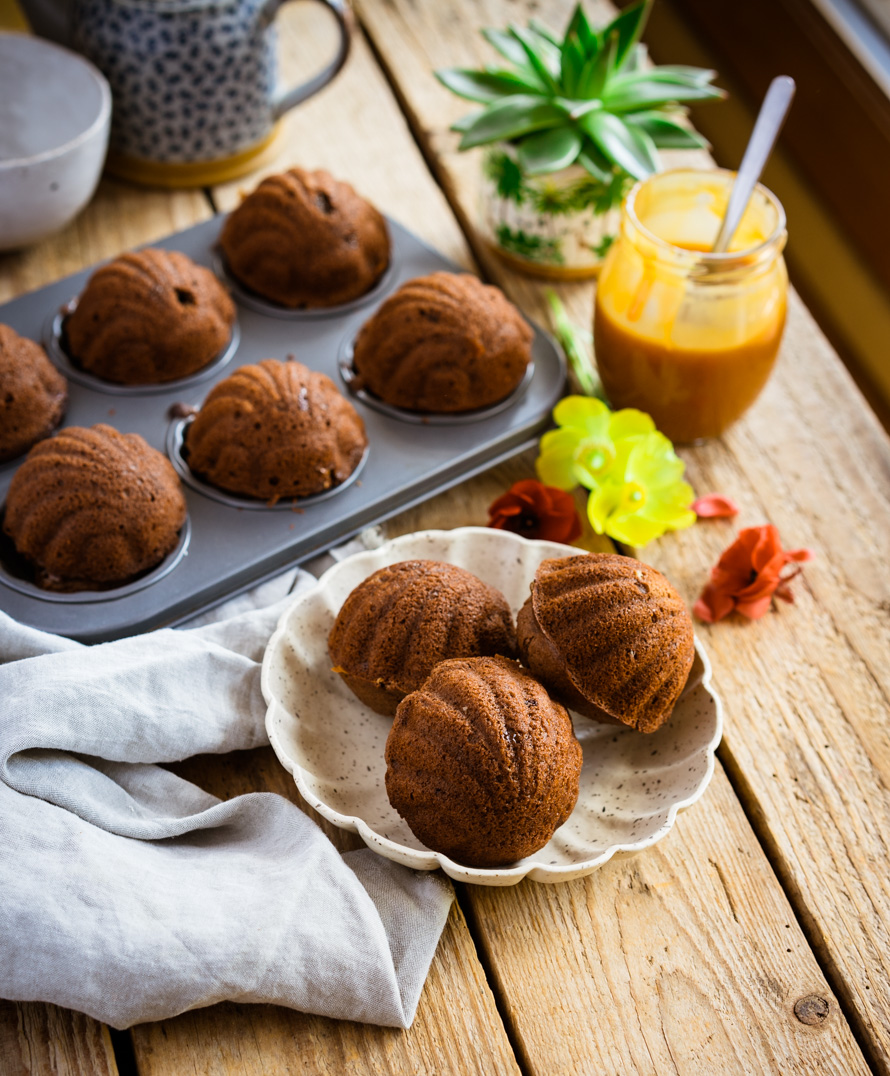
[632, 785]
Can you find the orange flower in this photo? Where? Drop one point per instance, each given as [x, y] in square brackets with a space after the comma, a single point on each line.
[715, 506]
[748, 576]
[534, 510]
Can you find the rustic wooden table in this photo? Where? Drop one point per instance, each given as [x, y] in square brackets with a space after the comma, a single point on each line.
[755, 937]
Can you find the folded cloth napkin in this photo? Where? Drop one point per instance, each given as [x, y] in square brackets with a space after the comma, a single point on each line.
[129, 894]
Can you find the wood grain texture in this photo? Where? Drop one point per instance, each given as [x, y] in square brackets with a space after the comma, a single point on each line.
[683, 959]
[808, 688]
[45, 1040]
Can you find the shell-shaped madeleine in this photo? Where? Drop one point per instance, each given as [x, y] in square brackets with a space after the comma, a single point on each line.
[33, 394]
[94, 506]
[275, 429]
[147, 317]
[481, 763]
[305, 239]
[609, 636]
[443, 343]
[403, 619]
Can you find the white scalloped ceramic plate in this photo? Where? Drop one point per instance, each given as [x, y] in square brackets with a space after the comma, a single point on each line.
[632, 785]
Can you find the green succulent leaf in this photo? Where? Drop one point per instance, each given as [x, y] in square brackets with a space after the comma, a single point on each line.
[571, 64]
[681, 74]
[645, 148]
[638, 92]
[590, 96]
[548, 151]
[506, 45]
[595, 162]
[636, 60]
[627, 147]
[580, 28]
[543, 59]
[511, 117]
[665, 132]
[466, 122]
[545, 32]
[628, 26]
[595, 73]
[484, 86]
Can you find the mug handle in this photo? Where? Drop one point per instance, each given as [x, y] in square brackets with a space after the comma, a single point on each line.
[286, 101]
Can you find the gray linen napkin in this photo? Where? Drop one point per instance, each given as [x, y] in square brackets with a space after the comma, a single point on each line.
[129, 894]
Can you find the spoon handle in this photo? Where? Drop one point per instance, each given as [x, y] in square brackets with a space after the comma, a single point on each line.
[766, 131]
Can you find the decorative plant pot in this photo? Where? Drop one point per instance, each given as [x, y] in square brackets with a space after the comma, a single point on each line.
[559, 225]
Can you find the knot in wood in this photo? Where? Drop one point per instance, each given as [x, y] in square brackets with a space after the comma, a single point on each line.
[812, 1009]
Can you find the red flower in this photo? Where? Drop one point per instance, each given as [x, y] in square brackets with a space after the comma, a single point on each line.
[715, 506]
[534, 510]
[748, 575]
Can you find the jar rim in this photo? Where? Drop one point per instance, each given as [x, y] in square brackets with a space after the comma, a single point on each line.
[724, 259]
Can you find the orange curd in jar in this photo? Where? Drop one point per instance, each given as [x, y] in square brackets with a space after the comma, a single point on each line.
[684, 334]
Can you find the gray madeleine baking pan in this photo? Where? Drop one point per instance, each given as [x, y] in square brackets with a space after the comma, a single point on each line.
[230, 544]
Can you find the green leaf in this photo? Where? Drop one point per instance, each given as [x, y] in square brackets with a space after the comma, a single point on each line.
[481, 86]
[595, 162]
[571, 64]
[511, 117]
[648, 93]
[465, 122]
[581, 109]
[549, 151]
[538, 27]
[578, 346]
[636, 60]
[665, 132]
[596, 71]
[629, 149]
[645, 148]
[681, 74]
[628, 26]
[581, 28]
[541, 56]
[525, 80]
[506, 45]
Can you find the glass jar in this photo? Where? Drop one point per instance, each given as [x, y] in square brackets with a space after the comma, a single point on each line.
[684, 334]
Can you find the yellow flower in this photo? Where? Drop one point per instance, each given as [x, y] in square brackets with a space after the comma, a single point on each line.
[633, 474]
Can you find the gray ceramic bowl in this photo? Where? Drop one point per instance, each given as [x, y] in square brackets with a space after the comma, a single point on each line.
[55, 113]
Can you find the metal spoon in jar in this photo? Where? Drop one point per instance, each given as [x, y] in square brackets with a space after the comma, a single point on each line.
[766, 131]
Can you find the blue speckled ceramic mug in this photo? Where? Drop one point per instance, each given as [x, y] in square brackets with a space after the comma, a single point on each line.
[193, 81]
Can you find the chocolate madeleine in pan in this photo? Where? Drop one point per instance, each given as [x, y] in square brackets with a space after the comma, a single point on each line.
[148, 317]
[33, 394]
[94, 507]
[609, 636]
[443, 343]
[273, 430]
[404, 619]
[304, 239]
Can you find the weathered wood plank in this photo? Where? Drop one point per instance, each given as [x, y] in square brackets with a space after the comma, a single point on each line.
[45, 1040]
[807, 690]
[685, 959]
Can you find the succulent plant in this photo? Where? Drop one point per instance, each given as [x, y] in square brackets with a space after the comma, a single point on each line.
[590, 98]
